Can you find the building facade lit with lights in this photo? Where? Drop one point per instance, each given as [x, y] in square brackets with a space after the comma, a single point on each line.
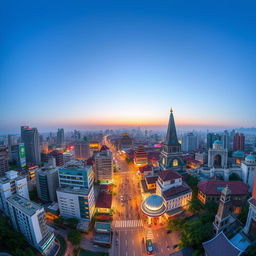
[154, 208]
[140, 156]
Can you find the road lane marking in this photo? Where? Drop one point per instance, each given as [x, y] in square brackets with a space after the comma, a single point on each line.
[127, 223]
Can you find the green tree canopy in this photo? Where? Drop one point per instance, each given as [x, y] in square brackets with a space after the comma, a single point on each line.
[75, 237]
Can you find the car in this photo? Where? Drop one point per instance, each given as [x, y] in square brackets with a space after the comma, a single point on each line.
[175, 246]
[149, 246]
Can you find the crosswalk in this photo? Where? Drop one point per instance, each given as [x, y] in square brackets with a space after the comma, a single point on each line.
[127, 223]
[150, 234]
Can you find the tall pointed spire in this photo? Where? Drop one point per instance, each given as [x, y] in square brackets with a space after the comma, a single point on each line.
[171, 136]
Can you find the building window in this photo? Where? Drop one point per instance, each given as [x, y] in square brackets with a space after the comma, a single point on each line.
[175, 162]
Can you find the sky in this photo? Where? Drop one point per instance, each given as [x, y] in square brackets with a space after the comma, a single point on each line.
[81, 64]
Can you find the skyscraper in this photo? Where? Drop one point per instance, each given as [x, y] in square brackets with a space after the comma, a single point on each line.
[4, 166]
[82, 149]
[60, 138]
[104, 165]
[238, 142]
[189, 142]
[30, 137]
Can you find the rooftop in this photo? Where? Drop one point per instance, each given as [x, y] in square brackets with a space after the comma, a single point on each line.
[151, 179]
[104, 200]
[74, 190]
[220, 245]
[176, 191]
[214, 187]
[169, 175]
[26, 206]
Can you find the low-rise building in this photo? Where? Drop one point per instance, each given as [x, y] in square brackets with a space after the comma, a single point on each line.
[175, 192]
[211, 191]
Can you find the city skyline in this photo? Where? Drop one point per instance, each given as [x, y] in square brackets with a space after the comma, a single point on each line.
[125, 64]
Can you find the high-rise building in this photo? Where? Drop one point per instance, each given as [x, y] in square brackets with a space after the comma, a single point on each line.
[125, 142]
[11, 184]
[47, 182]
[76, 193]
[189, 142]
[31, 140]
[104, 165]
[225, 140]
[82, 149]
[4, 166]
[19, 155]
[58, 156]
[211, 137]
[238, 142]
[10, 144]
[60, 138]
[171, 156]
[28, 218]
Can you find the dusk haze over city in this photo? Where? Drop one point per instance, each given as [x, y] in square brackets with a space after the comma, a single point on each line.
[128, 128]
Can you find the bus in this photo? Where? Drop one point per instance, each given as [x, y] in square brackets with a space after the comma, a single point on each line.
[149, 246]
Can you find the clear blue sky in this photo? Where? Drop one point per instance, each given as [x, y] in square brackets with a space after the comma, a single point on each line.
[86, 63]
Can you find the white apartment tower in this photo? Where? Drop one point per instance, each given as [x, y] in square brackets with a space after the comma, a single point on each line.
[28, 218]
[12, 184]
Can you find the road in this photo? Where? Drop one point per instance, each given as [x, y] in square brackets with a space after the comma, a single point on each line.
[129, 224]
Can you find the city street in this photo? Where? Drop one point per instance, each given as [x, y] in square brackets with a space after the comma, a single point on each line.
[129, 225]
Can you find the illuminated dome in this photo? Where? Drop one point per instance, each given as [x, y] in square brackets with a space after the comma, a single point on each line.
[250, 159]
[238, 154]
[153, 206]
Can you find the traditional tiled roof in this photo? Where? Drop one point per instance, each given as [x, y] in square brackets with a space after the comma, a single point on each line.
[145, 168]
[169, 175]
[220, 245]
[104, 200]
[214, 187]
[151, 179]
[176, 191]
[104, 147]
[252, 201]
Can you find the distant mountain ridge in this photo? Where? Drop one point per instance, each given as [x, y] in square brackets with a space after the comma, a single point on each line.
[247, 131]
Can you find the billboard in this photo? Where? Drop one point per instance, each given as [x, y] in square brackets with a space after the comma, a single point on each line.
[22, 155]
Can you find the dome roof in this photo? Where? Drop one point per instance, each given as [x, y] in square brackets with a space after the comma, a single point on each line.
[154, 202]
[217, 142]
[153, 206]
[238, 154]
[250, 158]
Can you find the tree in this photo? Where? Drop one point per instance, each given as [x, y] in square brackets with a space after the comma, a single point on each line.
[58, 221]
[194, 205]
[211, 207]
[234, 176]
[243, 214]
[72, 222]
[176, 224]
[192, 181]
[75, 237]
